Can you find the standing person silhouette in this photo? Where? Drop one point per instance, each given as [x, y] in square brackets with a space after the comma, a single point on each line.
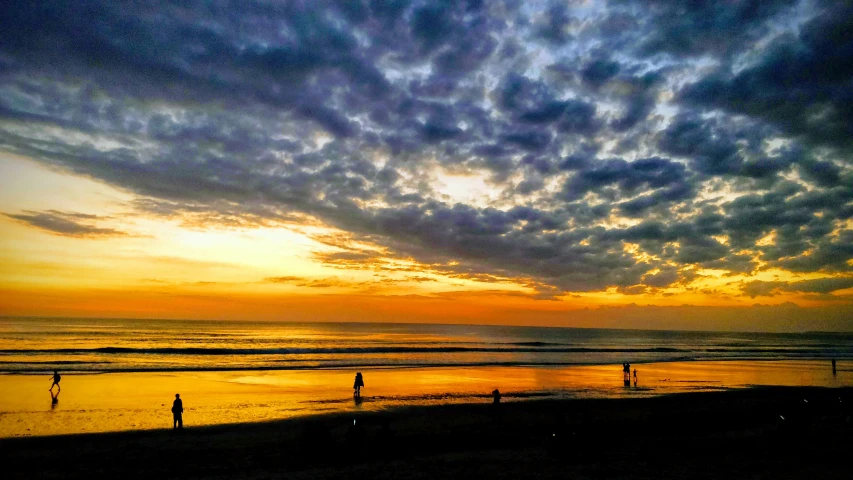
[359, 382]
[496, 405]
[177, 412]
[635, 377]
[56, 378]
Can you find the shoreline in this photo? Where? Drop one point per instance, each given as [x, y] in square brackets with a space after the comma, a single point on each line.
[667, 436]
[381, 366]
[534, 400]
[139, 401]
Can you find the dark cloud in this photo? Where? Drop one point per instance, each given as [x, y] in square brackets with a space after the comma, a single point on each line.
[554, 24]
[597, 72]
[639, 99]
[664, 278]
[667, 180]
[689, 27]
[817, 285]
[627, 143]
[715, 148]
[67, 224]
[801, 82]
[535, 103]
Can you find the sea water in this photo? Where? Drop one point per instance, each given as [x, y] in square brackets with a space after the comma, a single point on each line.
[108, 345]
[123, 374]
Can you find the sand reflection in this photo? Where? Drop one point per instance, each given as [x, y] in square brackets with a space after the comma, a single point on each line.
[130, 401]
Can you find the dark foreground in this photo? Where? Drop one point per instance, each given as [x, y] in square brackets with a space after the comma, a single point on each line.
[735, 434]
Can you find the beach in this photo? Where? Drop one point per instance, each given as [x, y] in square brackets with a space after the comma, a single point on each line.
[413, 239]
[109, 402]
[767, 432]
[272, 401]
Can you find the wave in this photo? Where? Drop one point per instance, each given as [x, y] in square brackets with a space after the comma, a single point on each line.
[119, 368]
[54, 362]
[335, 366]
[521, 347]
[331, 350]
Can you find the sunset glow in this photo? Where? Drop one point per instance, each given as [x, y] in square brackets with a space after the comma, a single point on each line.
[579, 165]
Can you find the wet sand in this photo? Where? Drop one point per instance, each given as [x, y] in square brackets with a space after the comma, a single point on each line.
[770, 432]
[141, 401]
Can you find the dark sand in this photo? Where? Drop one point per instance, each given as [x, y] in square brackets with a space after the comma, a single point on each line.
[730, 434]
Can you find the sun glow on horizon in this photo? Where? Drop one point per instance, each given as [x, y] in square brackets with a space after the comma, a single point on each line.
[259, 268]
[490, 162]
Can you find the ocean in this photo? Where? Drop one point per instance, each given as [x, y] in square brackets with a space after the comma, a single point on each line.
[123, 374]
[109, 345]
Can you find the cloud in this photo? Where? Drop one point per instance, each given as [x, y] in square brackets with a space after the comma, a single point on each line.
[664, 278]
[309, 282]
[620, 147]
[373, 285]
[687, 28]
[714, 148]
[818, 285]
[67, 224]
[283, 279]
[800, 83]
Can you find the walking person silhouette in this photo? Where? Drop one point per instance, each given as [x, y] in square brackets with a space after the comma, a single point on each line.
[359, 382]
[177, 412]
[56, 378]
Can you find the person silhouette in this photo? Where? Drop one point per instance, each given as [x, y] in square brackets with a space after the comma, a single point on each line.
[54, 399]
[635, 377]
[56, 378]
[833, 366]
[496, 406]
[359, 382]
[177, 412]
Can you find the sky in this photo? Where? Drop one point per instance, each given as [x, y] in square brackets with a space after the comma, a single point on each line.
[629, 164]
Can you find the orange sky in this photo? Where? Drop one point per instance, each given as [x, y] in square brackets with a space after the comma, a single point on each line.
[520, 162]
[186, 268]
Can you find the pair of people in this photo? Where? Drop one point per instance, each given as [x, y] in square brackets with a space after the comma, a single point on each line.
[626, 373]
[356, 386]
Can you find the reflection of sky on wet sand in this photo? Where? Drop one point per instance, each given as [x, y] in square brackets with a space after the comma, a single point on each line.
[110, 402]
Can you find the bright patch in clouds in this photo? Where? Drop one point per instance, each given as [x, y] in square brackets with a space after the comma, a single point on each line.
[541, 156]
[465, 188]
